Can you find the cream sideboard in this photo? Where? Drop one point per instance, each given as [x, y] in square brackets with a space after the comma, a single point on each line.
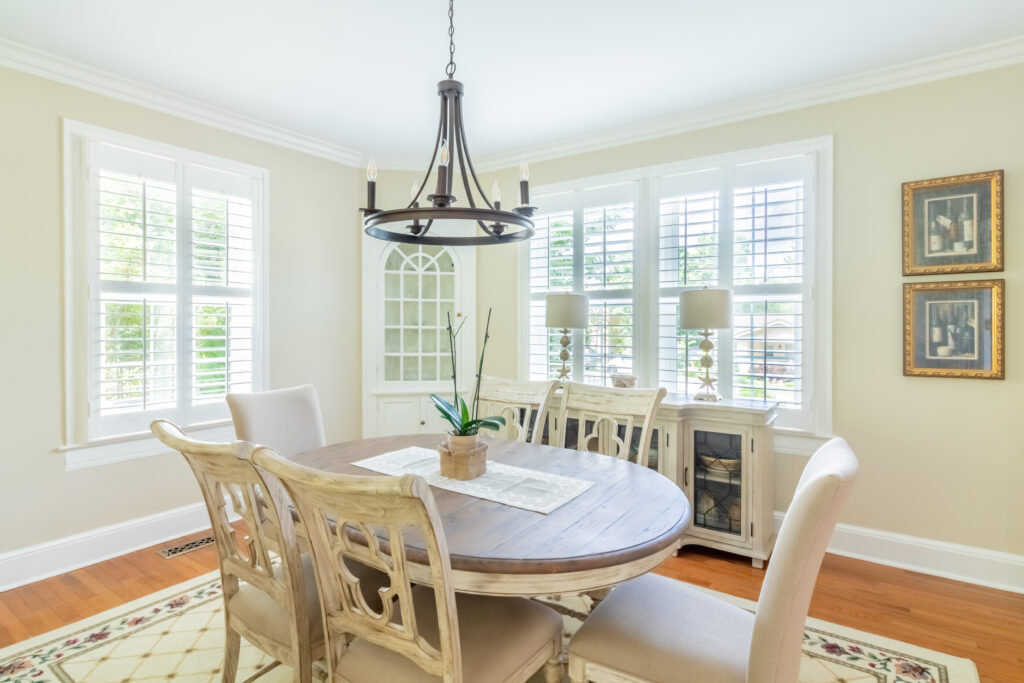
[732, 501]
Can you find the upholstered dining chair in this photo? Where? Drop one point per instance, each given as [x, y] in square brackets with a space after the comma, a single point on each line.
[288, 420]
[420, 633]
[270, 596]
[600, 413]
[524, 405]
[657, 629]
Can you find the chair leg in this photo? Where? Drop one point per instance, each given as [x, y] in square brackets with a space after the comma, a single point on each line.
[576, 670]
[232, 644]
[553, 670]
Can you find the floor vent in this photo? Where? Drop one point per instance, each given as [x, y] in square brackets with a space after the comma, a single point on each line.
[176, 550]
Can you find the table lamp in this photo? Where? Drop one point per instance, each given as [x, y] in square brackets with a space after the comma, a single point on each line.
[706, 310]
[566, 312]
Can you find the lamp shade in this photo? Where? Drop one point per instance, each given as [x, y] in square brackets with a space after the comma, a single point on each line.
[705, 309]
[567, 311]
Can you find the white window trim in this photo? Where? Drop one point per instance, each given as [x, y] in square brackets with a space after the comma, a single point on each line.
[645, 256]
[94, 452]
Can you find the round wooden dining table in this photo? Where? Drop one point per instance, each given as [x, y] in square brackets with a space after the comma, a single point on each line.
[623, 526]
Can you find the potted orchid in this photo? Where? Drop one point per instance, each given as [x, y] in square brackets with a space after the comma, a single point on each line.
[462, 455]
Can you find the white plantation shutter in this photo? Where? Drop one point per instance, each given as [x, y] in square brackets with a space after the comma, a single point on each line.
[173, 319]
[756, 247]
[585, 243]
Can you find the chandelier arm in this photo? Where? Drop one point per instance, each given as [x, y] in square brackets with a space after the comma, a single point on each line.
[426, 228]
[433, 157]
[469, 159]
[460, 138]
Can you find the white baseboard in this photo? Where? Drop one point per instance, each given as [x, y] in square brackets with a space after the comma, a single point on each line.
[41, 561]
[969, 564]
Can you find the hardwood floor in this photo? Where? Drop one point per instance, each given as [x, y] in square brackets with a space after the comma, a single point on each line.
[981, 624]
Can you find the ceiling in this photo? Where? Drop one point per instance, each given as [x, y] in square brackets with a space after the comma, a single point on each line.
[362, 74]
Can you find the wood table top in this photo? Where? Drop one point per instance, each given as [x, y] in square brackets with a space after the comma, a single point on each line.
[630, 513]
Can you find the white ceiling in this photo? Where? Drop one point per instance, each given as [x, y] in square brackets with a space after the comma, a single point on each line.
[362, 74]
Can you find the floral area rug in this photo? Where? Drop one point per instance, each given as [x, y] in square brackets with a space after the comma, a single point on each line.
[178, 635]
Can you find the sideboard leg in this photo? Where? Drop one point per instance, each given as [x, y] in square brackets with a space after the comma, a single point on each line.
[756, 563]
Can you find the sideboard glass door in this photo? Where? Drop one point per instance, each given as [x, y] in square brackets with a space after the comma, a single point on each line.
[718, 481]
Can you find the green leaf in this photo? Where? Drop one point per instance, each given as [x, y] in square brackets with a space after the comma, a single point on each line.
[464, 410]
[495, 423]
[447, 410]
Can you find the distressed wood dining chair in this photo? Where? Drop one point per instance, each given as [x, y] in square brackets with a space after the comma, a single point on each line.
[601, 412]
[524, 405]
[655, 629]
[270, 596]
[288, 420]
[419, 633]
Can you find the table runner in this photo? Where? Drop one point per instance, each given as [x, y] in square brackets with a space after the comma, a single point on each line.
[506, 484]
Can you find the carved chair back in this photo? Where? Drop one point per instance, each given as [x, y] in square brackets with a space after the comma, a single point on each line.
[225, 473]
[364, 519]
[524, 405]
[608, 418]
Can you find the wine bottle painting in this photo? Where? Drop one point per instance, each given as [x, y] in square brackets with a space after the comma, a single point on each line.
[952, 225]
[952, 330]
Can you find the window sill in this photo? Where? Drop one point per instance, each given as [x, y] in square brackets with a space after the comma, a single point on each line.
[135, 446]
[797, 442]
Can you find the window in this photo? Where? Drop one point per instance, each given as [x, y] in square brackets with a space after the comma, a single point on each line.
[169, 244]
[596, 259]
[754, 222]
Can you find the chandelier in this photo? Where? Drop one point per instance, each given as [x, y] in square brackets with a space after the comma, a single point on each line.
[499, 226]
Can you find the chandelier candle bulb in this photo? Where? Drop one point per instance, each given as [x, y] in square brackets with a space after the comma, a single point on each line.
[496, 195]
[524, 183]
[442, 174]
[371, 185]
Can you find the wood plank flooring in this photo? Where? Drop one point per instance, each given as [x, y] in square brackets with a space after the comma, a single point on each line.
[982, 624]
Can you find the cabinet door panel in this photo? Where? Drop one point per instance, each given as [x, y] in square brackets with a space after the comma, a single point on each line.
[398, 415]
[721, 472]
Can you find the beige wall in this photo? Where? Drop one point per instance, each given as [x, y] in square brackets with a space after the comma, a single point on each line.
[314, 260]
[941, 458]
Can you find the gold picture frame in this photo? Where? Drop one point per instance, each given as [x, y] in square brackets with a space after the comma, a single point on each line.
[954, 329]
[953, 224]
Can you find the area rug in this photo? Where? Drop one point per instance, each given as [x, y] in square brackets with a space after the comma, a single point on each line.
[178, 635]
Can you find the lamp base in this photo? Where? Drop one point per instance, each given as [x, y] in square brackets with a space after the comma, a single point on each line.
[704, 396]
[563, 374]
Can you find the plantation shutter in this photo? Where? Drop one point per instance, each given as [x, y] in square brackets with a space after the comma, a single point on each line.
[171, 269]
[585, 243]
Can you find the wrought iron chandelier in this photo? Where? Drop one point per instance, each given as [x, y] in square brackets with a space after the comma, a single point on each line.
[498, 225]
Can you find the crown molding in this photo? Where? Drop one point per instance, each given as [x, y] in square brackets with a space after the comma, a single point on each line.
[970, 60]
[47, 65]
[980, 58]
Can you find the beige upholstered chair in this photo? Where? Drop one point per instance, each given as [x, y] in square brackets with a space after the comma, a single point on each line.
[601, 411]
[421, 633]
[277, 607]
[287, 420]
[658, 629]
[522, 404]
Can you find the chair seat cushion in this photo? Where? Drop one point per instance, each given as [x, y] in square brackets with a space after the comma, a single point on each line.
[260, 612]
[660, 629]
[497, 636]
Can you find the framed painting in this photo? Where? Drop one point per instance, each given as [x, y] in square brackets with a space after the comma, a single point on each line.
[953, 224]
[954, 329]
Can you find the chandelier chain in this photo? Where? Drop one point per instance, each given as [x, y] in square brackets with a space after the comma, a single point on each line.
[450, 69]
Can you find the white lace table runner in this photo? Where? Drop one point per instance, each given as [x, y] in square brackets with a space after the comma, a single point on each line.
[516, 486]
